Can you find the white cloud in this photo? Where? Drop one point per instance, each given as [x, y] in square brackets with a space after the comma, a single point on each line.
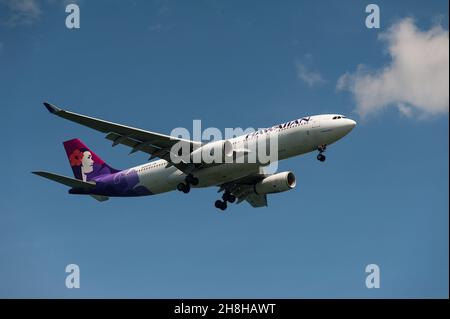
[21, 12]
[311, 78]
[417, 79]
[405, 110]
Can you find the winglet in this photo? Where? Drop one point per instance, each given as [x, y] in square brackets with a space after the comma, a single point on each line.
[51, 108]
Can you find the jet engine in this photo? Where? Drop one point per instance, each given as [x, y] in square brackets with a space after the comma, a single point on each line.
[276, 183]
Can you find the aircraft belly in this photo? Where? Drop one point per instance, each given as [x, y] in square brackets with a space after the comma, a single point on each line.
[162, 180]
[166, 179]
[225, 173]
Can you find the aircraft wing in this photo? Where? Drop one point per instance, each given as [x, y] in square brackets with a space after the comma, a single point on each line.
[155, 144]
[243, 189]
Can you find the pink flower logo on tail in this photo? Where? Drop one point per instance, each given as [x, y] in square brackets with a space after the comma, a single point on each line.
[76, 158]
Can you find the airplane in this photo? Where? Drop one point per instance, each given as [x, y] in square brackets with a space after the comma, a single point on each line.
[243, 181]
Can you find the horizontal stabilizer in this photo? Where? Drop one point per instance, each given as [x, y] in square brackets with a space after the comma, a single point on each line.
[100, 198]
[71, 182]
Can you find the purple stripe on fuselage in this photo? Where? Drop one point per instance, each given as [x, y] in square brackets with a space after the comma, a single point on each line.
[122, 183]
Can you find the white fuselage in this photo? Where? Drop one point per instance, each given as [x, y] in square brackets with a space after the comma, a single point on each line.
[294, 138]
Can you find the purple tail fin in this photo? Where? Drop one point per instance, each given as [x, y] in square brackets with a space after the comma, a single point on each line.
[85, 163]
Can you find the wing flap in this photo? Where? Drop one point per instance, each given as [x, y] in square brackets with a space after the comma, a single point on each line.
[146, 147]
[136, 145]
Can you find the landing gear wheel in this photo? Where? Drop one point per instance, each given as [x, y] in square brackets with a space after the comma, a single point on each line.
[190, 179]
[228, 197]
[322, 148]
[220, 204]
[185, 188]
[195, 181]
[180, 187]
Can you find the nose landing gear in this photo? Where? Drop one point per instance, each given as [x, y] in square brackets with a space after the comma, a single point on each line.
[321, 149]
[188, 181]
[226, 197]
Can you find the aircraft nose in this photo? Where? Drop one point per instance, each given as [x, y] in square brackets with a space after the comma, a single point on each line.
[349, 125]
[352, 123]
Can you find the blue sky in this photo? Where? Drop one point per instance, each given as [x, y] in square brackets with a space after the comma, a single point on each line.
[381, 197]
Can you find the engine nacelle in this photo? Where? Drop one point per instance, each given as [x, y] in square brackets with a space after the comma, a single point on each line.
[276, 183]
[216, 152]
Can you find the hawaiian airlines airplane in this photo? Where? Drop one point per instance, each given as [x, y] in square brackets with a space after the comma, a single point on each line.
[239, 178]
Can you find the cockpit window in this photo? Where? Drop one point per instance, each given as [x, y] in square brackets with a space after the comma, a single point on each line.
[338, 117]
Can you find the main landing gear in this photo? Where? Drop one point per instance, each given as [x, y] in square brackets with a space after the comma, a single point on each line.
[226, 197]
[321, 149]
[188, 181]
